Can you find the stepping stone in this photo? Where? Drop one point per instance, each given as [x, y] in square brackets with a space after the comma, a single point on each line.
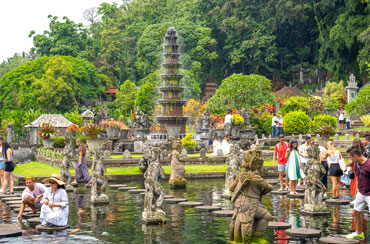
[295, 195]
[28, 216]
[12, 206]
[9, 230]
[175, 200]
[51, 228]
[190, 204]
[7, 196]
[19, 188]
[273, 181]
[34, 221]
[168, 196]
[142, 193]
[116, 186]
[301, 190]
[224, 213]
[11, 199]
[14, 202]
[136, 191]
[278, 225]
[314, 213]
[336, 240]
[303, 232]
[126, 188]
[337, 202]
[207, 208]
[16, 210]
[280, 192]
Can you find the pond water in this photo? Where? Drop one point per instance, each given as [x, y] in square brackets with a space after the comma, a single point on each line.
[119, 222]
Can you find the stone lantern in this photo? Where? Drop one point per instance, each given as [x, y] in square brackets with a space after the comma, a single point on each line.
[351, 89]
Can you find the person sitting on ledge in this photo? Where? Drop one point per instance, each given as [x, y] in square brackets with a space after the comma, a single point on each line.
[31, 196]
[54, 211]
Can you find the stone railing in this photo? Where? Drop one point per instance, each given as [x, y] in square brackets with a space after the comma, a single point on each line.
[49, 152]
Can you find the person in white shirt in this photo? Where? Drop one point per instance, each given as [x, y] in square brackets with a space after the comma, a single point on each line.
[303, 155]
[274, 121]
[228, 122]
[32, 196]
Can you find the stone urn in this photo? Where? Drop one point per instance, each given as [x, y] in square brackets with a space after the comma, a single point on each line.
[123, 134]
[112, 132]
[95, 145]
[220, 133]
[235, 131]
[48, 143]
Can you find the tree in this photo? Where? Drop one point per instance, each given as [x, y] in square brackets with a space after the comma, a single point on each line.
[125, 98]
[334, 96]
[240, 91]
[146, 98]
[13, 62]
[294, 104]
[361, 104]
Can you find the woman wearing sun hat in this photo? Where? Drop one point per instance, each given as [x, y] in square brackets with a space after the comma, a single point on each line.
[54, 210]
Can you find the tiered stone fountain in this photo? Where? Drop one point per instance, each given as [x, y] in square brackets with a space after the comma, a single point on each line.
[172, 120]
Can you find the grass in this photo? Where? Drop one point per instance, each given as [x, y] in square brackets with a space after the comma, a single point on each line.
[140, 155]
[362, 128]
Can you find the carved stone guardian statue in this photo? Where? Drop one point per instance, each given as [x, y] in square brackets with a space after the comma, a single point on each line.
[250, 217]
[233, 166]
[69, 156]
[98, 180]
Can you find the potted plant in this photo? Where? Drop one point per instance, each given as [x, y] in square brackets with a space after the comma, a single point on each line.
[238, 123]
[45, 132]
[112, 127]
[189, 143]
[326, 131]
[92, 131]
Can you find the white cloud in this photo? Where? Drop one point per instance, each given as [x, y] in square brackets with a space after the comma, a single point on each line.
[19, 17]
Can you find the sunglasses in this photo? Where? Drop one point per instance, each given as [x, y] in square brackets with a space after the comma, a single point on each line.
[51, 183]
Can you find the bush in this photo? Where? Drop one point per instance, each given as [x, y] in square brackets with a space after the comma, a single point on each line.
[262, 123]
[296, 123]
[366, 120]
[237, 119]
[188, 143]
[323, 119]
[59, 141]
[294, 104]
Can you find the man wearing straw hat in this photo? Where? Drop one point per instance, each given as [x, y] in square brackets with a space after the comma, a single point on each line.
[31, 196]
[54, 211]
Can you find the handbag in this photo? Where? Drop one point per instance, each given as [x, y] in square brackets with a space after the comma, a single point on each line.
[351, 174]
[342, 164]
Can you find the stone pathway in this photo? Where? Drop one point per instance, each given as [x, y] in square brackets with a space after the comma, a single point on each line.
[223, 213]
[278, 225]
[336, 240]
[175, 200]
[337, 202]
[126, 188]
[303, 232]
[9, 230]
[207, 208]
[190, 204]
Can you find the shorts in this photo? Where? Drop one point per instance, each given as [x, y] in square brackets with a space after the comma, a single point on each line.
[38, 205]
[2, 164]
[281, 167]
[342, 121]
[361, 201]
[335, 170]
[228, 128]
[210, 141]
[9, 167]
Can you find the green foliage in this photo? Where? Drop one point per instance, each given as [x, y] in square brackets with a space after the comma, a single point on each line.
[315, 106]
[125, 98]
[74, 116]
[366, 120]
[296, 122]
[58, 141]
[188, 142]
[147, 94]
[323, 119]
[237, 119]
[294, 104]
[262, 123]
[325, 129]
[361, 104]
[240, 91]
[334, 96]
[13, 62]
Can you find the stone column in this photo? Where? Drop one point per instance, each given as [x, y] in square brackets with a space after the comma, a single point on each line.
[9, 135]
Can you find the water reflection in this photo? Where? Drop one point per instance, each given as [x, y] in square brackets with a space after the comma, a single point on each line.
[119, 222]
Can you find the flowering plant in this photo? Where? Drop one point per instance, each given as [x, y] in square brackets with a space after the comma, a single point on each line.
[237, 119]
[92, 130]
[113, 124]
[73, 128]
[46, 129]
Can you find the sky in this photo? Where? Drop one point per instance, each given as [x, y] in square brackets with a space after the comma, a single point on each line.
[19, 17]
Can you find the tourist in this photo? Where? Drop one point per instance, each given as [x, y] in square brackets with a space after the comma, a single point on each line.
[367, 145]
[54, 210]
[332, 157]
[341, 119]
[82, 172]
[32, 196]
[280, 125]
[274, 126]
[347, 118]
[280, 150]
[2, 168]
[7, 153]
[303, 155]
[211, 137]
[294, 166]
[362, 171]
[356, 143]
[228, 123]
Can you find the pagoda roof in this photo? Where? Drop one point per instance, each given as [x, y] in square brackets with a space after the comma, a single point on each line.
[112, 90]
[287, 91]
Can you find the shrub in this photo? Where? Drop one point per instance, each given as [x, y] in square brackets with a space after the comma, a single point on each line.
[366, 120]
[294, 104]
[296, 123]
[325, 129]
[188, 143]
[262, 123]
[237, 119]
[58, 141]
[323, 119]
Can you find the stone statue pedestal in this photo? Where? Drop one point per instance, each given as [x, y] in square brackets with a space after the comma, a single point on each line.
[177, 183]
[153, 217]
[315, 210]
[97, 200]
[141, 133]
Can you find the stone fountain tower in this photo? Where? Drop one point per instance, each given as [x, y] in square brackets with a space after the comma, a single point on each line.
[172, 120]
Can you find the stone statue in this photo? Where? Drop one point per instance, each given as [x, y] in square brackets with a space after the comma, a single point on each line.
[98, 180]
[246, 116]
[144, 161]
[250, 217]
[103, 115]
[206, 120]
[142, 121]
[177, 178]
[315, 189]
[69, 155]
[154, 192]
[233, 163]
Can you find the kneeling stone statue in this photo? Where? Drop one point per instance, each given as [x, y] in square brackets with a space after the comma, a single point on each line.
[250, 217]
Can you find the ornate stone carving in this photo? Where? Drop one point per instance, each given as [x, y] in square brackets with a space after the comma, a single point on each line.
[177, 178]
[69, 155]
[250, 217]
[233, 162]
[98, 180]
